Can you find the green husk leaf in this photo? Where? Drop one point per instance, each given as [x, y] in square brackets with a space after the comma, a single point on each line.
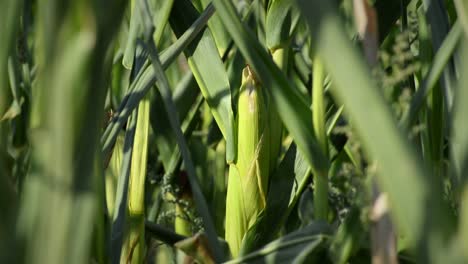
[271, 219]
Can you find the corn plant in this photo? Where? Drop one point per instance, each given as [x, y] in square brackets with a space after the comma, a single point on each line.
[233, 131]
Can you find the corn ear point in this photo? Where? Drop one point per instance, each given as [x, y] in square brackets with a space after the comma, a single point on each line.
[248, 177]
[253, 150]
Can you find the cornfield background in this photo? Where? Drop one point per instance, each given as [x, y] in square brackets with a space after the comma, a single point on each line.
[239, 131]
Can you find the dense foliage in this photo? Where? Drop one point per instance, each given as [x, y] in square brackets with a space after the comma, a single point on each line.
[277, 131]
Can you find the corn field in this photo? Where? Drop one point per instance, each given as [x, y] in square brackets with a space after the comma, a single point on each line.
[234, 131]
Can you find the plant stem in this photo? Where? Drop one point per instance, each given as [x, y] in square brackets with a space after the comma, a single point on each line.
[318, 121]
[135, 244]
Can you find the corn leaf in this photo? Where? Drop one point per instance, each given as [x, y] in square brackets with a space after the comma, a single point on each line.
[401, 174]
[460, 140]
[10, 11]
[66, 132]
[121, 196]
[165, 91]
[161, 17]
[294, 113]
[184, 93]
[280, 21]
[294, 247]
[145, 79]
[220, 35]
[207, 67]
[134, 31]
[439, 24]
[441, 59]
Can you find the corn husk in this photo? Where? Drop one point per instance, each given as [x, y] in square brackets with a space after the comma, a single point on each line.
[257, 151]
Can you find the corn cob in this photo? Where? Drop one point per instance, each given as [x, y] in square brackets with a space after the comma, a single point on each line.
[256, 156]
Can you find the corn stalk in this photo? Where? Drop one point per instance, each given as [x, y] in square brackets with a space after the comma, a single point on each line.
[318, 120]
[134, 247]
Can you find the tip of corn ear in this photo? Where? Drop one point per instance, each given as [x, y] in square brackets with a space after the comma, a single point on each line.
[249, 75]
